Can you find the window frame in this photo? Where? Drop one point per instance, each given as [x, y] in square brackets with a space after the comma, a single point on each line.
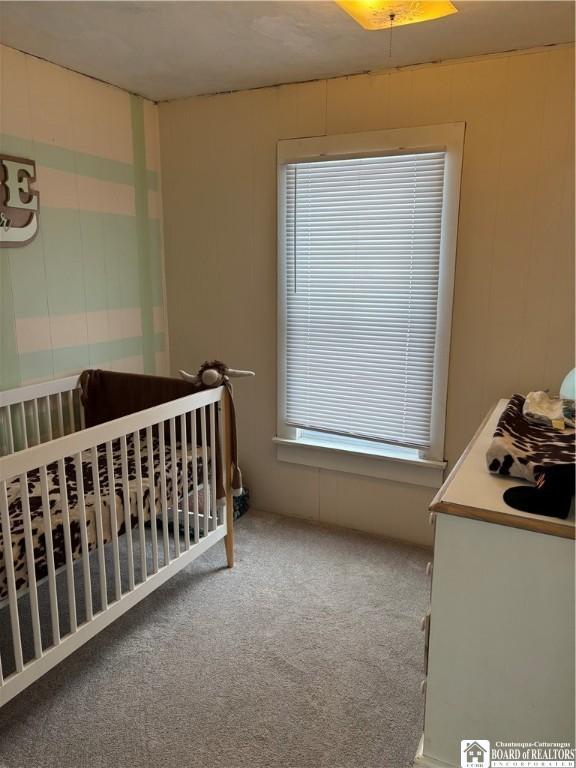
[447, 137]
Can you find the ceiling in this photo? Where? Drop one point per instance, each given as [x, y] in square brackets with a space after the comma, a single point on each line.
[167, 50]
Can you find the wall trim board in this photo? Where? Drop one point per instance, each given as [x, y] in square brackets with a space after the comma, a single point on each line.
[471, 59]
[384, 71]
[143, 232]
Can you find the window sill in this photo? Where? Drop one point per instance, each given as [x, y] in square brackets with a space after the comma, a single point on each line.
[386, 464]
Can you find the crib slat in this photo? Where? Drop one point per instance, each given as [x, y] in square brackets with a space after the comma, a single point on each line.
[84, 536]
[214, 458]
[24, 427]
[36, 421]
[152, 498]
[163, 493]
[127, 511]
[205, 480]
[174, 475]
[48, 416]
[47, 518]
[194, 448]
[223, 458]
[99, 529]
[11, 581]
[30, 565]
[67, 546]
[140, 505]
[9, 431]
[184, 472]
[72, 419]
[60, 414]
[113, 520]
[81, 411]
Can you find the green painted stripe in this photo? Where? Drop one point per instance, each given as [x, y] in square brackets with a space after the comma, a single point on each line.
[152, 177]
[81, 163]
[83, 261]
[9, 360]
[35, 365]
[155, 234]
[145, 258]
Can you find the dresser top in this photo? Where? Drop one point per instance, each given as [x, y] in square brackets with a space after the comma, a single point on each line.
[471, 491]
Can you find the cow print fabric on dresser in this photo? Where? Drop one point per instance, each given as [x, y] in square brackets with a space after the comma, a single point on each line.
[519, 448]
[55, 497]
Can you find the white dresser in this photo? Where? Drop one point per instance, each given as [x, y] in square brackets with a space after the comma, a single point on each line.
[500, 633]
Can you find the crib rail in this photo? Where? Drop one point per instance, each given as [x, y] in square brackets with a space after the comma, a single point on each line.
[136, 501]
[38, 413]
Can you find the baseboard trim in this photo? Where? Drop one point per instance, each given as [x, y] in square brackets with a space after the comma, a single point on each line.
[423, 761]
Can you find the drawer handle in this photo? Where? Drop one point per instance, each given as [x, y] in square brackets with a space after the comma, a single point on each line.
[423, 687]
[432, 518]
[429, 568]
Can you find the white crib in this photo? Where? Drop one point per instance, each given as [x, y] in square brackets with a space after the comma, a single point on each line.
[167, 523]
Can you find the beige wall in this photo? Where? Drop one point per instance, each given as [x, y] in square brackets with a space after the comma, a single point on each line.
[513, 308]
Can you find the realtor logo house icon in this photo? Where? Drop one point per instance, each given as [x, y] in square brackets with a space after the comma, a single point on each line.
[475, 753]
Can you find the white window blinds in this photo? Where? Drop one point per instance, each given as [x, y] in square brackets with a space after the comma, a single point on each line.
[361, 260]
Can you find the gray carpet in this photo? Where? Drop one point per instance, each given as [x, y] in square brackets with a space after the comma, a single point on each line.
[308, 654]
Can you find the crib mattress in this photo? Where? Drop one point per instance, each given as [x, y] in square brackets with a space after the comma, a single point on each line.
[56, 514]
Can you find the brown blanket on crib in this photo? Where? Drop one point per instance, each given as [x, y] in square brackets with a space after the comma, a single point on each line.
[108, 395]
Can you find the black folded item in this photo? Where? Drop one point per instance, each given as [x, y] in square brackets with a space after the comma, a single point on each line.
[551, 496]
[520, 449]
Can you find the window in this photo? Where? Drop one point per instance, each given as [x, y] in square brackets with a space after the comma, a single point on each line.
[367, 243]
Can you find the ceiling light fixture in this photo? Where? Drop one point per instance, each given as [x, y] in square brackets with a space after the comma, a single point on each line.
[379, 14]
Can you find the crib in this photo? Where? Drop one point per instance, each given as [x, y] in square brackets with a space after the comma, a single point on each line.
[94, 519]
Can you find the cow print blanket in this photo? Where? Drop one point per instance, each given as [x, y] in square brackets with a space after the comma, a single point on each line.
[55, 500]
[519, 447]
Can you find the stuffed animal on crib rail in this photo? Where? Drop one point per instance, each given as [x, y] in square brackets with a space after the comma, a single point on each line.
[214, 373]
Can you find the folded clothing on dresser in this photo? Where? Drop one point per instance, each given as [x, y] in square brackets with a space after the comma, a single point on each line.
[520, 448]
